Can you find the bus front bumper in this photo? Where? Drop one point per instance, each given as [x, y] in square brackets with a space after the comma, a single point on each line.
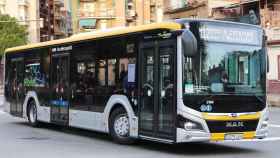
[260, 132]
[200, 136]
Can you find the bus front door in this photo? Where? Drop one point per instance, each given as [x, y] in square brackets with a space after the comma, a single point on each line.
[60, 89]
[157, 101]
[17, 88]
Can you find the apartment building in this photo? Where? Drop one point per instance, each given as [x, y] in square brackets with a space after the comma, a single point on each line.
[174, 9]
[88, 15]
[26, 12]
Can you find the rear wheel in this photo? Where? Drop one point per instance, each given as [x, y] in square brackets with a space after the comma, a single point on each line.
[32, 114]
[119, 126]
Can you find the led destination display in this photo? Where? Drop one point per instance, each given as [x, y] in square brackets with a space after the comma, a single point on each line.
[230, 34]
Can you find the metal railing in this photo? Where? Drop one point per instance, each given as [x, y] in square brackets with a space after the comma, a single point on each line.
[106, 13]
[22, 2]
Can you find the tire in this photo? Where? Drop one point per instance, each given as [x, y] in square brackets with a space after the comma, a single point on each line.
[32, 114]
[119, 126]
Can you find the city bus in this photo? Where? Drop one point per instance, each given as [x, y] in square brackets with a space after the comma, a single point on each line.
[171, 82]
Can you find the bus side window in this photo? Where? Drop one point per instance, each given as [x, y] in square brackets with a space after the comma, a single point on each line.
[83, 77]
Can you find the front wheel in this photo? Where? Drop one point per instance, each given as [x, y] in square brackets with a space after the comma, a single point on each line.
[32, 114]
[119, 126]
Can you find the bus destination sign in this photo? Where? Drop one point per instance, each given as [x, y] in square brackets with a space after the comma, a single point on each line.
[230, 34]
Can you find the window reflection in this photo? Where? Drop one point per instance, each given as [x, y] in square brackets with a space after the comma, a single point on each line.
[226, 68]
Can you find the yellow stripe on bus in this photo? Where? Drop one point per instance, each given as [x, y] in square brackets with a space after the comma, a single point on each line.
[213, 117]
[221, 136]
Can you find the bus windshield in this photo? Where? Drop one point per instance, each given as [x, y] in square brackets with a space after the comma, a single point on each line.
[225, 68]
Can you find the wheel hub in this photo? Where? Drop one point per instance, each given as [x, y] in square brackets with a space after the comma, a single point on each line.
[121, 126]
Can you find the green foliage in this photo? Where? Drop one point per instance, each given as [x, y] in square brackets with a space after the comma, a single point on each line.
[11, 33]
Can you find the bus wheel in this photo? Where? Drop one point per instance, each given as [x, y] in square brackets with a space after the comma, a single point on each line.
[119, 126]
[32, 114]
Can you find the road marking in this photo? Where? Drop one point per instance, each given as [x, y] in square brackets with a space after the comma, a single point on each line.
[261, 140]
[274, 125]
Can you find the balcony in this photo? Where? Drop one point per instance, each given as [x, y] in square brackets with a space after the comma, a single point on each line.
[273, 33]
[23, 2]
[59, 30]
[23, 20]
[59, 3]
[87, 23]
[153, 3]
[58, 15]
[178, 6]
[104, 14]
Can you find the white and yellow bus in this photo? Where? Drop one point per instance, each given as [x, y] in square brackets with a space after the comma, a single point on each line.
[172, 82]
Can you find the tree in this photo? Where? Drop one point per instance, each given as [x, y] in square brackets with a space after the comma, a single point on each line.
[11, 33]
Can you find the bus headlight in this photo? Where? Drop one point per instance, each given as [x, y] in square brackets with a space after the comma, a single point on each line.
[188, 124]
[265, 123]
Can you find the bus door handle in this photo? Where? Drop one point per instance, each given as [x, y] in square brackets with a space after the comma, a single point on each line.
[163, 93]
[72, 93]
[149, 92]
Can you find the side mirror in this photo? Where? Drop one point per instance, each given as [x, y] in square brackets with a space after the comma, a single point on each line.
[189, 43]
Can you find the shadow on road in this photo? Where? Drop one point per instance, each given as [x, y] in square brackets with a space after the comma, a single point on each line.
[179, 149]
[196, 148]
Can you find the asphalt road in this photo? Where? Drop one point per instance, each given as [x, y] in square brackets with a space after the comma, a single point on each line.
[19, 140]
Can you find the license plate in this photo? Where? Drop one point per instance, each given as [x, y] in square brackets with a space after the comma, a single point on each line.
[233, 136]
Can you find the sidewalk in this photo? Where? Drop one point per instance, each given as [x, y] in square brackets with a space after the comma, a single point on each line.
[273, 100]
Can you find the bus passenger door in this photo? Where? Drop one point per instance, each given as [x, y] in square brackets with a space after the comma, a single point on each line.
[60, 89]
[17, 92]
[157, 81]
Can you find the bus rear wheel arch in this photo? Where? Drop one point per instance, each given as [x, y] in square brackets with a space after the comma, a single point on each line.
[119, 126]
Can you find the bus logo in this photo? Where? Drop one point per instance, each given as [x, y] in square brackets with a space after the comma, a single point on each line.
[233, 115]
[235, 124]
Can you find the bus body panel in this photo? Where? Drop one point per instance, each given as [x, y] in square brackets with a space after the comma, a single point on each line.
[87, 120]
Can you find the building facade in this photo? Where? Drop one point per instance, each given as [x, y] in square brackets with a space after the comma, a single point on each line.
[174, 9]
[26, 12]
[88, 15]
[45, 19]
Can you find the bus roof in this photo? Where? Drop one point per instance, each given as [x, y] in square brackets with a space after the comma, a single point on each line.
[99, 34]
